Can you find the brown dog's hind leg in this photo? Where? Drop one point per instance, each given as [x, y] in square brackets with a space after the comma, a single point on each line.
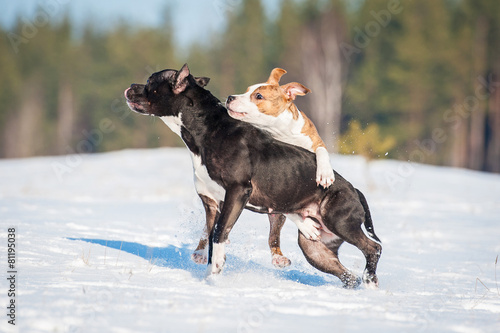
[276, 222]
[200, 255]
[323, 258]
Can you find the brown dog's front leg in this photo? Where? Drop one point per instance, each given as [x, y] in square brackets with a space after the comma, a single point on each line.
[276, 222]
[234, 201]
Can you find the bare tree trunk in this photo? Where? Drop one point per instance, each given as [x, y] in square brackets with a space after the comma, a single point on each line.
[227, 84]
[66, 116]
[459, 145]
[478, 116]
[477, 136]
[10, 139]
[493, 156]
[23, 134]
[322, 68]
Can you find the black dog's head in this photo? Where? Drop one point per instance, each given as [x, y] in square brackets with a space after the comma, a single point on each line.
[165, 93]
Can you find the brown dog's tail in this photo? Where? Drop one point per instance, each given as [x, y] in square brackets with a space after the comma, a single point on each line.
[368, 218]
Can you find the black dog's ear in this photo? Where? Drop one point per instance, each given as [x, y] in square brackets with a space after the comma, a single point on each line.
[181, 81]
[202, 81]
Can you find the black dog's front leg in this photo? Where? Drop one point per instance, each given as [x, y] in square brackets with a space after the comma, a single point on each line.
[234, 201]
[200, 255]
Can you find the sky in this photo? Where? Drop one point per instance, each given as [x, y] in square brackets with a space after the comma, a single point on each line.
[192, 20]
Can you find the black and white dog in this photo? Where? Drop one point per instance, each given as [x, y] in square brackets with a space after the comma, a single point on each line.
[238, 166]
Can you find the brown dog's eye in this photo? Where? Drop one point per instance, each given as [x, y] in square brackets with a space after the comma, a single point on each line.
[259, 96]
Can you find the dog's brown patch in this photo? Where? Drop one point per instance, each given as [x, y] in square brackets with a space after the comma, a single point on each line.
[275, 76]
[310, 130]
[273, 102]
[276, 250]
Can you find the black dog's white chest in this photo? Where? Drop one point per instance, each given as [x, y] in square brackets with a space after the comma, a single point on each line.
[203, 183]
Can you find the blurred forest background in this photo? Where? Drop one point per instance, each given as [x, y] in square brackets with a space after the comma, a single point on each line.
[412, 80]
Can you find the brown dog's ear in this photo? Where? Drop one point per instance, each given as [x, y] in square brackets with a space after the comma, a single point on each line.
[276, 75]
[202, 81]
[293, 89]
[181, 81]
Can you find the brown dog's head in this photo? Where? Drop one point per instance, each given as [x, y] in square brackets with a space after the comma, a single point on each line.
[265, 100]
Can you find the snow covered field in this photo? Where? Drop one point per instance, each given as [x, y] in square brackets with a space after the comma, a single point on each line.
[105, 247]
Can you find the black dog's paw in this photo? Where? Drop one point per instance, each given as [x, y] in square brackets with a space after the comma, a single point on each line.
[350, 281]
[370, 280]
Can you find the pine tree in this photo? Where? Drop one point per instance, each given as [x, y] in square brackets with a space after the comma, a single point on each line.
[286, 52]
[474, 118]
[243, 59]
[402, 79]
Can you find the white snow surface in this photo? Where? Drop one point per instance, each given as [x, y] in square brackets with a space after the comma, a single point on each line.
[105, 247]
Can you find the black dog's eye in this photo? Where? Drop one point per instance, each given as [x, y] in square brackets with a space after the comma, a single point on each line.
[259, 96]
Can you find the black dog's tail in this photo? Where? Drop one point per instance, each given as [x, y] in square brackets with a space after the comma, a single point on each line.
[368, 217]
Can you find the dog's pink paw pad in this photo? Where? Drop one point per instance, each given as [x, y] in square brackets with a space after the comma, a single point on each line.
[200, 257]
[280, 261]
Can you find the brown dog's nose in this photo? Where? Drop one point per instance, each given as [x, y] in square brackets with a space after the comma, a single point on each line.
[230, 99]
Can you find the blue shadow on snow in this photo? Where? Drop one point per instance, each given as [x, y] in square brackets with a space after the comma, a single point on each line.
[180, 258]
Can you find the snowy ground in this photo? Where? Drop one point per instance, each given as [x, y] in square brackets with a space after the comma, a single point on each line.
[106, 246]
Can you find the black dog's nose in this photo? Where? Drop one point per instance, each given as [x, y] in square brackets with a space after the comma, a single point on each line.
[230, 99]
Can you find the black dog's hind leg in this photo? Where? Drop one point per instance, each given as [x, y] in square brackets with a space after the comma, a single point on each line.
[325, 258]
[234, 201]
[371, 250]
[344, 216]
[276, 222]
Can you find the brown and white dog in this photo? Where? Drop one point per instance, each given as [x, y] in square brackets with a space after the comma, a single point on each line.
[270, 107]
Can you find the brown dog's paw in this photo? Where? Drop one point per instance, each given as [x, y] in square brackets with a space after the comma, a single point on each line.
[280, 261]
[310, 229]
[200, 257]
[325, 178]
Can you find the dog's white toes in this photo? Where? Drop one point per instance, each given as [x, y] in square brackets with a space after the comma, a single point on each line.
[315, 238]
[280, 261]
[218, 258]
[200, 257]
[212, 271]
[216, 268]
[309, 235]
[325, 180]
[329, 182]
[310, 229]
[370, 280]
